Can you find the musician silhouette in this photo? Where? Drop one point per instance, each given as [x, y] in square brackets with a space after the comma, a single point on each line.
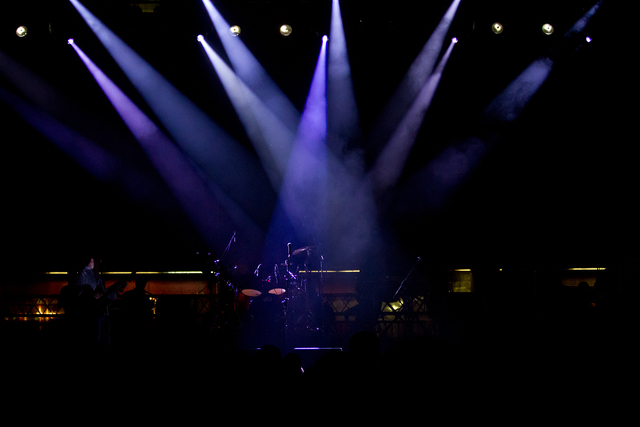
[138, 307]
[91, 308]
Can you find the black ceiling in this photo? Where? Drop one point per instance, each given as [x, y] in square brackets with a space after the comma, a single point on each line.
[559, 185]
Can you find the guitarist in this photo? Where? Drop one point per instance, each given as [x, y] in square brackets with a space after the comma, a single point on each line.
[93, 300]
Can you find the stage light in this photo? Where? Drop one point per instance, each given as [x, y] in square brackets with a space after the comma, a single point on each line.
[547, 29]
[235, 30]
[325, 39]
[454, 40]
[588, 39]
[252, 73]
[497, 28]
[70, 41]
[286, 30]
[200, 38]
[21, 31]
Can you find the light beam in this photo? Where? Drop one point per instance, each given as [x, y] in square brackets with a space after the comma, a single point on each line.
[271, 139]
[342, 113]
[390, 163]
[186, 185]
[94, 159]
[251, 72]
[413, 81]
[581, 24]
[303, 193]
[434, 185]
[208, 145]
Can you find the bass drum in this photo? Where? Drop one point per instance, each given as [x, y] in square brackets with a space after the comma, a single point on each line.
[264, 321]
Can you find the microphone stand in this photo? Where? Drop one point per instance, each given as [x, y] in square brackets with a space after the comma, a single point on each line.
[405, 279]
[407, 306]
[228, 248]
[286, 299]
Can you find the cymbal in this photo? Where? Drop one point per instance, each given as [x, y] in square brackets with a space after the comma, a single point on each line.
[307, 249]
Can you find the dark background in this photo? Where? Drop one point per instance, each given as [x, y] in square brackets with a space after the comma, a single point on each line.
[559, 186]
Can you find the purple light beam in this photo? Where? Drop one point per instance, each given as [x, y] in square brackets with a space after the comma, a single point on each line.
[207, 144]
[187, 186]
[252, 73]
[271, 139]
[390, 163]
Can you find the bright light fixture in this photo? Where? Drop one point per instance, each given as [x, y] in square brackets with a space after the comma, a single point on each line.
[70, 41]
[235, 30]
[21, 31]
[497, 28]
[547, 29]
[286, 30]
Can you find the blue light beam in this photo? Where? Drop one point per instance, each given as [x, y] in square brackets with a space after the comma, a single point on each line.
[271, 139]
[186, 185]
[251, 71]
[436, 183]
[303, 192]
[120, 168]
[390, 163]
[342, 111]
[414, 80]
[208, 145]
[581, 23]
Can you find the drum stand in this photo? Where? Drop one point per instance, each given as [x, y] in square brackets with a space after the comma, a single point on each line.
[307, 305]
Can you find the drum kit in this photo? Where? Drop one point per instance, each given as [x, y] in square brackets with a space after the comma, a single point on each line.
[275, 303]
[287, 276]
[286, 293]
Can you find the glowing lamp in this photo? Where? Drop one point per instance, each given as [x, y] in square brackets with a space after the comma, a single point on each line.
[588, 39]
[286, 30]
[21, 31]
[70, 41]
[547, 29]
[454, 40]
[325, 39]
[200, 38]
[497, 28]
[235, 30]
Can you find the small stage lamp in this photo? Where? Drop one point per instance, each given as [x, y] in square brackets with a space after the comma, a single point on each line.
[497, 28]
[235, 30]
[547, 29]
[286, 30]
[21, 31]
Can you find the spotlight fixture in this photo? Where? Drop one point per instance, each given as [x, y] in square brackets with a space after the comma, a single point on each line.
[588, 39]
[21, 31]
[286, 30]
[235, 30]
[200, 38]
[70, 41]
[497, 28]
[454, 40]
[547, 29]
[325, 39]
